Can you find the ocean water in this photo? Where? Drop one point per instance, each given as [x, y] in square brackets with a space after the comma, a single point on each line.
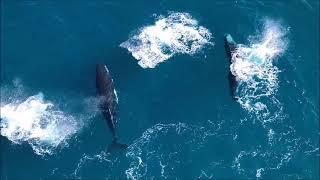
[170, 70]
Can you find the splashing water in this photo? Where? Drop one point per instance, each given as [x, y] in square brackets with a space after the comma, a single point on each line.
[178, 33]
[37, 122]
[253, 66]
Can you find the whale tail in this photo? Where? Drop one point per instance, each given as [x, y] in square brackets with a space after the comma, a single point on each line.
[116, 145]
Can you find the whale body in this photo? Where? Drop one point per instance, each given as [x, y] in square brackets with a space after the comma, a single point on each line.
[230, 47]
[108, 101]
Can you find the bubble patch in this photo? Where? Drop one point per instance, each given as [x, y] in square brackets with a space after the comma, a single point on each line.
[253, 67]
[38, 122]
[178, 33]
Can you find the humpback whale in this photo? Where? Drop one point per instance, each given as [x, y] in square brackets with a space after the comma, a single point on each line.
[108, 102]
[230, 46]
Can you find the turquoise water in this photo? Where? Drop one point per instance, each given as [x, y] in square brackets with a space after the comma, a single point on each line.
[178, 118]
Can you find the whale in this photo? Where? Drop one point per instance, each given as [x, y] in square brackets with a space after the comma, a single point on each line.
[230, 47]
[108, 102]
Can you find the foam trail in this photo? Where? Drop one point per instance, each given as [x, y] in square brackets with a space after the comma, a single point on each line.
[146, 156]
[253, 66]
[37, 122]
[177, 33]
[146, 150]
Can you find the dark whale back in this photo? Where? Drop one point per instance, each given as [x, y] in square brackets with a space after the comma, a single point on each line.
[230, 46]
[107, 96]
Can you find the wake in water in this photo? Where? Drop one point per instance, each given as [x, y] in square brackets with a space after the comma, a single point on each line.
[149, 157]
[253, 66]
[151, 160]
[36, 121]
[257, 76]
[178, 33]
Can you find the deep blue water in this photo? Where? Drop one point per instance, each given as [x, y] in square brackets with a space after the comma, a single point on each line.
[178, 118]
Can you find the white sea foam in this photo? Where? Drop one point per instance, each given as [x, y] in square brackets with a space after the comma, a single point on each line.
[259, 171]
[253, 66]
[37, 122]
[102, 157]
[146, 150]
[271, 134]
[178, 33]
[147, 157]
